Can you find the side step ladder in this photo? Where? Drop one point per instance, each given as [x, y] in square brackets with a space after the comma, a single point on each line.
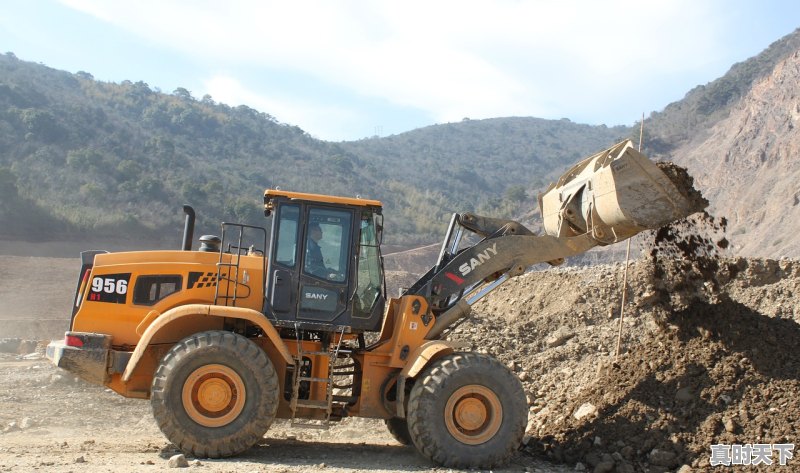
[324, 405]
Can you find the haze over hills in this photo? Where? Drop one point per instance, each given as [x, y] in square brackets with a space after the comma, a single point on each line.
[82, 157]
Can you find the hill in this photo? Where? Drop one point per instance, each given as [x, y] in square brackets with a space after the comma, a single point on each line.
[738, 137]
[83, 157]
[749, 165]
[705, 105]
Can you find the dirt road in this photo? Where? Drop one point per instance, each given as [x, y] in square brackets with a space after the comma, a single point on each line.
[54, 423]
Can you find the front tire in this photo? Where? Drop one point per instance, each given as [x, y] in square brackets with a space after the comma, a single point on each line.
[467, 410]
[214, 394]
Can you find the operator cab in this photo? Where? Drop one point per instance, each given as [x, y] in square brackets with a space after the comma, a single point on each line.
[324, 270]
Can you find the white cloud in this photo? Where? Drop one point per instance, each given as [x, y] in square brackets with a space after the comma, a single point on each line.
[450, 58]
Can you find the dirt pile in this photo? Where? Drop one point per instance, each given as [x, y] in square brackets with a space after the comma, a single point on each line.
[709, 353]
[721, 373]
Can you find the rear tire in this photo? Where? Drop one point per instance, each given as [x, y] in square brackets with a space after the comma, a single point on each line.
[214, 394]
[467, 410]
[399, 429]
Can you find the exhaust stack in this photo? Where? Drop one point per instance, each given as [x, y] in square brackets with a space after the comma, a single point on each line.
[188, 228]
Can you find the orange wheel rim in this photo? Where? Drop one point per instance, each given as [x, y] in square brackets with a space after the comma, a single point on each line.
[213, 395]
[473, 414]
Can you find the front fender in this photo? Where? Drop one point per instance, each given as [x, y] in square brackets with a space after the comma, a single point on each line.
[419, 359]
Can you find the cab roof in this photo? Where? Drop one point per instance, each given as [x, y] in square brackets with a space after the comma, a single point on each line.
[328, 199]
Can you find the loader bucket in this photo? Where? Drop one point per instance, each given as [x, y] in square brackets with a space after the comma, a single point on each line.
[616, 194]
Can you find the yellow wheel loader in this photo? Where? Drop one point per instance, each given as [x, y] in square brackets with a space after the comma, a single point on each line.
[246, 329]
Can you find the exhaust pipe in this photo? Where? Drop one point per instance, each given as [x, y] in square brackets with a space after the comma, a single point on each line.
[188, 228]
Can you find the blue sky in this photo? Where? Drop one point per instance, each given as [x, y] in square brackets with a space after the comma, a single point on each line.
[345, 70]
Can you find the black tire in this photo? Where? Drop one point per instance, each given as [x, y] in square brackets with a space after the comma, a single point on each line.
[399, 429]
[467, 410]
[197, 390]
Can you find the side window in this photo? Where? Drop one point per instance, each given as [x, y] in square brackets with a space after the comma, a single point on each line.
[327, 244]
[151, 289]
[287, 235]
[369, 277]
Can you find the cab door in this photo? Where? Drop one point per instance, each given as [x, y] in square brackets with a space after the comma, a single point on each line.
[323, 282]
[284, 263]
[309, 271]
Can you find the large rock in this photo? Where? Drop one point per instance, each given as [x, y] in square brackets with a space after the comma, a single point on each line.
[662, 458]
[178, 461]
[585, 410]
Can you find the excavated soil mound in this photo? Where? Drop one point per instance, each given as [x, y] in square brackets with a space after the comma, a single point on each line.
[721, 373]
[709, 353]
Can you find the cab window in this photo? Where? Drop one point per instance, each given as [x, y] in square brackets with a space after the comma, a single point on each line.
[327, 244]
[287, 235]
[369, 275]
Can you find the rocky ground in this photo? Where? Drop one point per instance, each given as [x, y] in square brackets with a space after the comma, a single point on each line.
[53, 422]
[708, 355]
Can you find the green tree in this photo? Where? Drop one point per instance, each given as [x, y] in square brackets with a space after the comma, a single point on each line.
[516, 193]
[183, 93]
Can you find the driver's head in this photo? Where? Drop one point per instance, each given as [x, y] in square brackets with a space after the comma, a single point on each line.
[314, 231]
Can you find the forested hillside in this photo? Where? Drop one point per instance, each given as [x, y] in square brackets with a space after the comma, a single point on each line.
[82, 157]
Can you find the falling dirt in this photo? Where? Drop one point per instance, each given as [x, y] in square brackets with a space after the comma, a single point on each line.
[686, 260]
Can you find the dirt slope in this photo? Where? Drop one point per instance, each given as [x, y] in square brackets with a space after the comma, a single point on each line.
[36, 295]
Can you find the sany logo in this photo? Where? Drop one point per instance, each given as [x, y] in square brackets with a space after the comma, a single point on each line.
[319, 297]
[478, 260]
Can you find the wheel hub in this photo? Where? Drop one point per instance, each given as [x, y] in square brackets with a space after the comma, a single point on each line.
[473, 414]
[470, 413]
[213, 395]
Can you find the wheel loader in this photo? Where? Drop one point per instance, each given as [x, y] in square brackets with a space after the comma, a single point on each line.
[248, 328]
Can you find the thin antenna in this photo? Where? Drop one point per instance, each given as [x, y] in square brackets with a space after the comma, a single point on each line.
[641, 134]
[627, 259]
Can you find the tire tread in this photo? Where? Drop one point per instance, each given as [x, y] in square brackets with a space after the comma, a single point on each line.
[434, 383]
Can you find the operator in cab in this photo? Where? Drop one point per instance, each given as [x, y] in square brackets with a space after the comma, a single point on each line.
[315, 264]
